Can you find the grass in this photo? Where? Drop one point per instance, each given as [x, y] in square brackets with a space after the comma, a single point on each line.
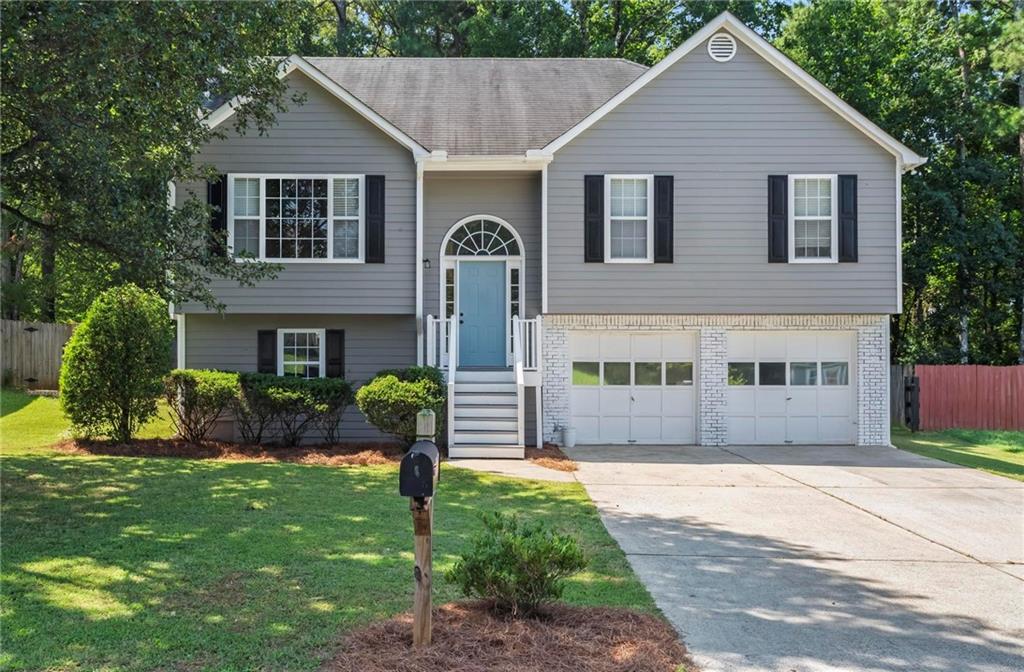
[29, 423]
[1000, 453]
[123, 564]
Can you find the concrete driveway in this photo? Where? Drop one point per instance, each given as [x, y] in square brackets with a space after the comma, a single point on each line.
[821, 558]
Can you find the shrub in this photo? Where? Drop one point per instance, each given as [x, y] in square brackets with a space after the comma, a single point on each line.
[197, 399]
[253, 408]
[392, 399]
[293, 404]
[331, 397]
[517, 566]
[111, 373]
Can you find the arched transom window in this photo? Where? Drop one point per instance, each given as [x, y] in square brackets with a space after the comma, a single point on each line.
[482, 238]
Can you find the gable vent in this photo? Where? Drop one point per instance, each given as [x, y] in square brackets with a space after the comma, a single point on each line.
[722, 47]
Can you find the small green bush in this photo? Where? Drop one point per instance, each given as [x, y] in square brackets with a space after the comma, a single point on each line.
[113, 364]
[197, 398]
[517, 566]
[392, 399]
[253, 408]
[291, 405]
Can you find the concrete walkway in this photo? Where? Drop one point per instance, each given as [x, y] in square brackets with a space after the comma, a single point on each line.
[821, 558]
[514, 468]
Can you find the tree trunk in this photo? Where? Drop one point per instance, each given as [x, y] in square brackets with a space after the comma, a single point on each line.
[962, 273]
[14, 261]
[47, 264]
[1020, 257]
[341, 38]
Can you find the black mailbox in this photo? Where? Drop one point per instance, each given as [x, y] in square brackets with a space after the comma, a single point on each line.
[419, 471]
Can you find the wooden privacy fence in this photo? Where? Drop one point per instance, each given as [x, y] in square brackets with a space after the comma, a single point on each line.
[963, 396]
[30, 352]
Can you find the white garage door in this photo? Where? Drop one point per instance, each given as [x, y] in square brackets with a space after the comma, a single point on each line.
[633, 388]
[791, 387]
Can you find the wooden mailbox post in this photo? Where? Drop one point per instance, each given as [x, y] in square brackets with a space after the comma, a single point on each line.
[417, 480]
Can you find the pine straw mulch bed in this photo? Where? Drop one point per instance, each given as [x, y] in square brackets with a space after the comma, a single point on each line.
[344, 455]
[467, 638]
[551, 457]
[339, 455]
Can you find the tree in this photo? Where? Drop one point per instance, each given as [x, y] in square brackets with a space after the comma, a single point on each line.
[924, 71]
[98, 112]
[112, 367]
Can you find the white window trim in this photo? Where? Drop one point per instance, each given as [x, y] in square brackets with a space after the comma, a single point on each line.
[791, 220]
[608, 259]
[263, 177]
[322, 333]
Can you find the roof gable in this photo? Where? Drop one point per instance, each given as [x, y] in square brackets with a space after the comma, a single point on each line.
[907, 157]
[293, 63]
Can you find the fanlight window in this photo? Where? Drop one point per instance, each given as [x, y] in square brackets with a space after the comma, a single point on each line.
[482, 238]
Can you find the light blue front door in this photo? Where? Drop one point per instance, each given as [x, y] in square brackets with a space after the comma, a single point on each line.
[482, 313]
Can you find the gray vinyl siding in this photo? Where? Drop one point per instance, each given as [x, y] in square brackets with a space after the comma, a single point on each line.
[721, 129]
[513, 197]
[372, 343]
[325, 136]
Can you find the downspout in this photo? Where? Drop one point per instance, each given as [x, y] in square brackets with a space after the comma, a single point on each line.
[419, 262]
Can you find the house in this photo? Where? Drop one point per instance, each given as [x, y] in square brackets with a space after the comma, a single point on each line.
[703, 252]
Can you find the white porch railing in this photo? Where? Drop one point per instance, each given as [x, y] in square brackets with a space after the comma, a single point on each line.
[437, 329]
[531, 330]
[453, 352]
[439, 342]
[518, 364]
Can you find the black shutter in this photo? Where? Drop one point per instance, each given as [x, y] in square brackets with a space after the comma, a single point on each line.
[375, 219]
[217, 198]
[266, 351]
[664, 222]
[778, 220]
[593, 218]
[335, 353]
[847, 218]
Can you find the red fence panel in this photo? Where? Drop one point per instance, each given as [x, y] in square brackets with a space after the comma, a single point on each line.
[971, 397]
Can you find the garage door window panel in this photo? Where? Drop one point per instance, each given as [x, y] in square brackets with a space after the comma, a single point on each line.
[803, 373]
[771, 373]
[647, 373]
[741, 373]
[616, 373]
[586, 373]
[678, 373]
[835, 373]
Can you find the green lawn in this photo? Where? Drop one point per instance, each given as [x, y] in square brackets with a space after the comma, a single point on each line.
[112, 563]
[1000, 453]
[29, 423]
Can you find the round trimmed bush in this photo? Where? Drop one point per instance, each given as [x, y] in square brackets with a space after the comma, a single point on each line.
[113, 364]
[392, 399]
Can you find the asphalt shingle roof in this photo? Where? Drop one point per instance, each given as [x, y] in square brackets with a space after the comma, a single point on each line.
[473, 106]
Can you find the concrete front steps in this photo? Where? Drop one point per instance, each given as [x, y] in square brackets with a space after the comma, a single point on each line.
[486, 422]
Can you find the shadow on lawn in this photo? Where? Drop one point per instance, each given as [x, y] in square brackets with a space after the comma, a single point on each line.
[159, 564]
[12, 401]
[761, 603]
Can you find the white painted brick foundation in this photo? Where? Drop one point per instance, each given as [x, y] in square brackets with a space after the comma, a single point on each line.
[872, 363]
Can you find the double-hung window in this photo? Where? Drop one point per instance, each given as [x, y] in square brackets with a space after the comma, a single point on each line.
[629, 218]
[297, 218]
[813, 224]
[300, 353]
